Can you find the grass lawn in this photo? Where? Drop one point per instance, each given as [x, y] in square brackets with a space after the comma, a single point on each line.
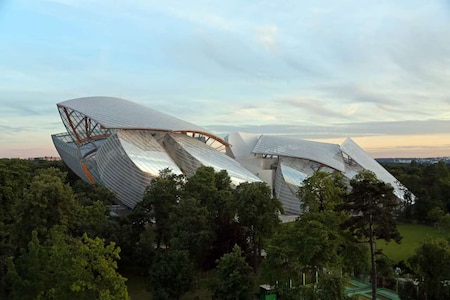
[413, 235]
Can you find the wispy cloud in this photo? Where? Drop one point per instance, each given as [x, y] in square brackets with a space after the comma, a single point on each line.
[320, 68]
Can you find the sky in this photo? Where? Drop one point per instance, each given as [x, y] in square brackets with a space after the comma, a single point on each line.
[375, 71]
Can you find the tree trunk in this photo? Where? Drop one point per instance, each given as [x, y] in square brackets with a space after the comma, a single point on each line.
[373, 260]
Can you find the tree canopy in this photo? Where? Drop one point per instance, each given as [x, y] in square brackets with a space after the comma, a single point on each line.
[234, 279]
[64, 267]
[431, 265]
[371, 206]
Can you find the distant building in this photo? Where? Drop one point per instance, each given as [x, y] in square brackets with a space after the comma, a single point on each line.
[123, 146]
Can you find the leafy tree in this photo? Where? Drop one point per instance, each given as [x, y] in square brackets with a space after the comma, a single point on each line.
[258, 213]
[192, 230]
[14, 177]
[371, 205]
[171, 274]
[91, 219]
[67, 268]
[213, 192]
[435, 214]
[158, 203]
[321, 191]
[234, 279]
[136, 242]
[309, 245]
[87, 193]
[331, 286]
[47, 202]
[431, 265]
[444, 224]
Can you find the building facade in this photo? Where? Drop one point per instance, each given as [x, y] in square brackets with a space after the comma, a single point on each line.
[123, 146]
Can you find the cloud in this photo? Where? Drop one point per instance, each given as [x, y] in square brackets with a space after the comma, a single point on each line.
[403, 128]
[267, 36]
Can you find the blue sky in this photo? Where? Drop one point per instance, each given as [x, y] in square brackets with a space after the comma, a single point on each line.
[377, 71]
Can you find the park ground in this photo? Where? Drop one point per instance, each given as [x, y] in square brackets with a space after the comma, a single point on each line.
[413, 235]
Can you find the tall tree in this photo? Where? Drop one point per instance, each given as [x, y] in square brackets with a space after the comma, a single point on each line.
[321, 191]
[234, 280]
[431, 265]
[14, 177]
[258, 212]
[63, 267]
[213, 192]
[371, 205]
[158, 203]
[192, 230]
[47, 202]
[310, 245]
[171, 274]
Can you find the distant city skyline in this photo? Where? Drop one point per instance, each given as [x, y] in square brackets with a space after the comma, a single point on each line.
[375, 71]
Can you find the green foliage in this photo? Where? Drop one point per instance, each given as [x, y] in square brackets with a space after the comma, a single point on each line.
[91, 219]
[371, 205]
[430, 183]
[47, 202]
[331, 287]
[192, 229]
[258, 213]
[309, 245]
[171, 274]
[66, 268]
[14, 177]
[234, 279]
[435, 214]
[158, 203]
[431, 265]
[321, 191]
[444, 224]
[87, 193]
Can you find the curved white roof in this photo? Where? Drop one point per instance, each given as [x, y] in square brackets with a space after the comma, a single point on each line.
[368, 163]
[324, 153]
[117, 113]
[207, 156]
[242, 143]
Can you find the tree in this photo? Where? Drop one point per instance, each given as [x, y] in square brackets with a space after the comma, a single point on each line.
[371, 205]
[213, 192]
[158, 203]
[87, 193]
[91, 219]
[310, 245]
[331, 286]
[234, 279]
[321, 191]
[192, 230]
[64, 267]
[14, 177]
[47, 202]
[258, 212]
[431, 265]
[435, 214]
[171, 274]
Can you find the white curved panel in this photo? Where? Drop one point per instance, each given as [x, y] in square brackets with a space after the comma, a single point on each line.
[119, 173]
[324, 153]
[118, 113]
[68, 152]
[145, 152]
[365, 161]
[187, 150]
[284, 192]
[242, 144]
